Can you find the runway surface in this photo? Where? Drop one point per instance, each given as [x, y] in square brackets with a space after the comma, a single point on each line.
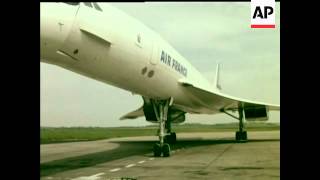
[195, 156]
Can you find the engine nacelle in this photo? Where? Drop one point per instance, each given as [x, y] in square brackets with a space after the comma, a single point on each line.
[254, 112]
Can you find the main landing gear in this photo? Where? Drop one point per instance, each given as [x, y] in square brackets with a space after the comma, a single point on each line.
[241, 135]
[166, 137]
[170, 137]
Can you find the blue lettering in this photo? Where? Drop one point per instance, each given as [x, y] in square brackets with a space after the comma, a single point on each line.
[162, 56]
[166, 59]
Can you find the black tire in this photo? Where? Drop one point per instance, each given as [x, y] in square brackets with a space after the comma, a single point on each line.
[157, 150]
[166, 150]
[167, 139]
[238, 137]
[173, 137]
[244, 135]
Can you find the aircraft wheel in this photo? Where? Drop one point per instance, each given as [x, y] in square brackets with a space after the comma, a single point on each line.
[244, 135]
[167, 139]
[166, 150]
[173, 137]
[238, 137]
[241, 136]
[157, 150]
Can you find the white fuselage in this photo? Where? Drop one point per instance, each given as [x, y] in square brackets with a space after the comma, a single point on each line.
[116, 49]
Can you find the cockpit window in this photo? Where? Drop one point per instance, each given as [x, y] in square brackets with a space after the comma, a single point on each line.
[97, 6]
[72, 3]
[88, 4]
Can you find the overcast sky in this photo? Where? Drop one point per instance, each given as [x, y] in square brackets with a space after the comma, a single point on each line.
[204, 33]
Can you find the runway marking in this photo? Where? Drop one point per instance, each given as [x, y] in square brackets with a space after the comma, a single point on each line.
[130, 165]
[114, 170]
[92, 177]
[140, 162]
[151, 159]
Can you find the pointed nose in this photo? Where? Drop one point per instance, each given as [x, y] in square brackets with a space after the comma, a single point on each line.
[56, 21]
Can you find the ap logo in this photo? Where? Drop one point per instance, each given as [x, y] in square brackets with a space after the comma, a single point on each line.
[263, 14]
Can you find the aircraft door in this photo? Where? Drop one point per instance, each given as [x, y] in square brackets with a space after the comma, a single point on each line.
[155, 55]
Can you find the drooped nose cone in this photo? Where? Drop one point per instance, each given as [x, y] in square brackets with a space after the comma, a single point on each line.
[56, 21]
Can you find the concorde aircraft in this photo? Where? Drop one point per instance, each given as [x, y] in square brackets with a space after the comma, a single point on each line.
[105, 44]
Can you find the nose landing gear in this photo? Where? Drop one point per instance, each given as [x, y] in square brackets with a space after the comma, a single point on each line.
[165, 136]
[171, 138]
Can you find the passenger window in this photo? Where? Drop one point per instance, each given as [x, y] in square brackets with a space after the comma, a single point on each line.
[97, 6]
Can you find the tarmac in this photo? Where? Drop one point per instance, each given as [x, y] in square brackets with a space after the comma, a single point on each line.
[213, 155]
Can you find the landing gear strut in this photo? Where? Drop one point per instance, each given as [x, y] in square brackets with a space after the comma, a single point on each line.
[161, 110]
[241, 135]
